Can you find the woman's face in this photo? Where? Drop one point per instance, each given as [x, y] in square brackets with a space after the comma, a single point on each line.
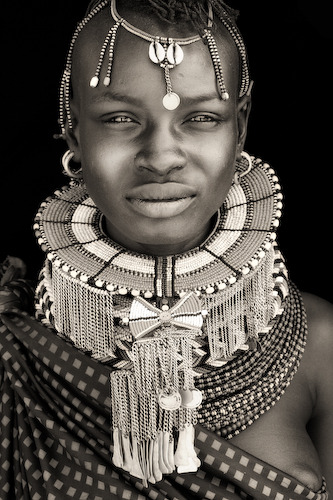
[158, 176]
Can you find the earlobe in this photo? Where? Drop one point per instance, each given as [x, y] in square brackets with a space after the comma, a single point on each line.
[244, 108]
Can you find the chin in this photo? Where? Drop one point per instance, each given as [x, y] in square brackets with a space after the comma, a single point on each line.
[169, 238]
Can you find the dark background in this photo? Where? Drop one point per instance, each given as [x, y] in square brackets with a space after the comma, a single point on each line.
[290, 48]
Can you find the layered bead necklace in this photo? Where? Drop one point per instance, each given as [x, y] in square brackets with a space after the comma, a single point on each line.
[214, 335]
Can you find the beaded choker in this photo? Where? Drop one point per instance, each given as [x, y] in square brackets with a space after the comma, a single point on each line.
[178, 330]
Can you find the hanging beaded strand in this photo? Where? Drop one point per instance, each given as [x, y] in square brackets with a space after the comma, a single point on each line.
[65, 115]
[110, 39]
[217, 65]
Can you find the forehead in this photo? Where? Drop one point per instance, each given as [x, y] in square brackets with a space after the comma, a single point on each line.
[134, 73]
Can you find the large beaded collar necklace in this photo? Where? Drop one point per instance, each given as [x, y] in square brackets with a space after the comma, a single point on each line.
[194, 336]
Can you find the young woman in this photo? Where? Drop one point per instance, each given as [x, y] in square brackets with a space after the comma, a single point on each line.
[164, 306]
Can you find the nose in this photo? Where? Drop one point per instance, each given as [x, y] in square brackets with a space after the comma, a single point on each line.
[160, 152]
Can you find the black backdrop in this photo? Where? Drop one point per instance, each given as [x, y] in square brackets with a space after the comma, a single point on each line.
[290, 48]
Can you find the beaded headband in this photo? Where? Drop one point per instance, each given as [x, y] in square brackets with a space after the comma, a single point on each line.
[166, 52]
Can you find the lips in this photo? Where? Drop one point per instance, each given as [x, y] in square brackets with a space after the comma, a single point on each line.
[161, 192]
[161, 201]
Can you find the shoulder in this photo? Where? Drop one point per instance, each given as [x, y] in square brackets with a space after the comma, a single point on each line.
[319, 314]
[318, 355]
[317, 368]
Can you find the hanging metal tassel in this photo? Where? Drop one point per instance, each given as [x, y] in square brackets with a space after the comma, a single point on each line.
[92, 331]
[152, 401]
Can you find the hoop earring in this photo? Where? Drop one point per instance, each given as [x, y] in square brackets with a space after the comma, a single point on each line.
[67, 157]
[239, 174]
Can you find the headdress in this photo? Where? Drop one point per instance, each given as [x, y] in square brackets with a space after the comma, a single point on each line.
[171, 325]
[164, 51]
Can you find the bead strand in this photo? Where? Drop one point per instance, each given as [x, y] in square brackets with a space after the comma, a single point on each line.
[217, 65]
[247, 387]
[64, 108]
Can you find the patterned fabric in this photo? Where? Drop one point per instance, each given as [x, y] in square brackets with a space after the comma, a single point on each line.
[56, 438]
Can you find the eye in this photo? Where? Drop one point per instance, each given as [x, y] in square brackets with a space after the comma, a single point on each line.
[204, 120]
[118, 119]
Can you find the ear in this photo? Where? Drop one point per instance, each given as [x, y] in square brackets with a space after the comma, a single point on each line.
[73, 135]
[243, 112]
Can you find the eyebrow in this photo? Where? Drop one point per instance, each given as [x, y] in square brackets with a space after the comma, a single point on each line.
[116, 96]
[187, 100]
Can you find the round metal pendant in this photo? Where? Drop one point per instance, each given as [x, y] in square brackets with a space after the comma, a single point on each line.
[170, 401]
[171, 101]
[156, 52]
[175, 54]
[191, 398]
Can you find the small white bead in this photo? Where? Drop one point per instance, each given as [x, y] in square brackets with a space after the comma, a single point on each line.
[94, 81]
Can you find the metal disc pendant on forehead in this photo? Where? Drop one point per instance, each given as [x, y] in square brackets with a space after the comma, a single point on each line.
[175, 54]
[156, 52]
[171, 101]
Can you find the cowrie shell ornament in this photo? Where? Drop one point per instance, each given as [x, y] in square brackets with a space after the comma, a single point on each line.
[174, 54]
[157, 52]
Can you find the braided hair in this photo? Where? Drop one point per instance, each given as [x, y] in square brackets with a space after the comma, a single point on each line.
[177, 11]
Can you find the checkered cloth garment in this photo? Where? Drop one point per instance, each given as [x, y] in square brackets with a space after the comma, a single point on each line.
[56, 437]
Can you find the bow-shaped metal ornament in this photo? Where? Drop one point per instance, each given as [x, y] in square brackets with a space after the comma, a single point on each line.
[144, 317]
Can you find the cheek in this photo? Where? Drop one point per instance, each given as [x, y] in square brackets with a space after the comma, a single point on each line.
[219, 159]
[102, 163]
